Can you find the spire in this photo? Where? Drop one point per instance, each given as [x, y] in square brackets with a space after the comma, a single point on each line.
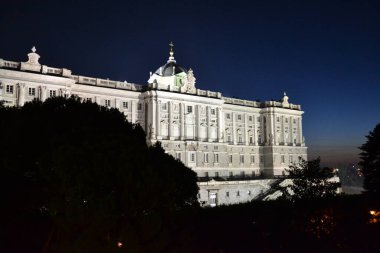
[171, 53]
[285, 99]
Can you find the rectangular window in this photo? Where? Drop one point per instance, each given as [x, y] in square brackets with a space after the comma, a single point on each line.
[9, 89]
[32, 91]
[125, 105]
[107, 102]
[239, 117]
[252, 159]
[52, 93]
[230, 158]
[250, 139]
[139, 107]
[250, 118]
[178, 156]
[258, 119]
[192, 157]
[216, 158]
[206, 174]
[261, 159]
[282, 158]
[206, 158]
[164, 106]
[240, 139]
[286, 120]
[227, 194]
[238, 193]
[241, 159]
[213, 111]
[290, 159]
[278, 119]
[228, 116]
[294, 121]
[189, 109]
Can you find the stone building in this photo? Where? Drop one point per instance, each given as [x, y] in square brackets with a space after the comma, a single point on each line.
[237, 147]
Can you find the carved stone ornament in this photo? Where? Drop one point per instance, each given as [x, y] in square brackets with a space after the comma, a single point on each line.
[33, 57]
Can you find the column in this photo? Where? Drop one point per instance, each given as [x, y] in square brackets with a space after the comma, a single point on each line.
[152, 117]
[182, 116]
[43, 93]
[133, 111]
[21, 94]
[198, 122]
[233, 128]
[170, 126]
[157, 119]
[208, 116]
[220, 124]
[255, 129]
[291, 131]
[283, 130]
[301, 140]
[246, 129]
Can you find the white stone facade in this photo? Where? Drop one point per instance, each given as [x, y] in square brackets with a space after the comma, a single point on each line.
[218, 137]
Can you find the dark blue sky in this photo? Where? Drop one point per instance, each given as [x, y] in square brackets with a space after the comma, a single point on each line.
[324, 54]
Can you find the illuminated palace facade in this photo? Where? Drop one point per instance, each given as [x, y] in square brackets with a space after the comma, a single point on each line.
[237, 147]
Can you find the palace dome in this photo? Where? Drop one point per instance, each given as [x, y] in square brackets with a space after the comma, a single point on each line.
[169, 69]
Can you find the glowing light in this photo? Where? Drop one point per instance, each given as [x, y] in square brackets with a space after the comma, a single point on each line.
[119, 244]
[374, 213]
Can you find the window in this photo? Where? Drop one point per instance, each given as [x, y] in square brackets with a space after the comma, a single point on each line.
[278, 119]
[230, 158]
[294, 121]
[216, 174]
[227, 194]
[139, 106]
[228, 138]
[286, 120]
[125, 105]
[238, 193]
[252, 159]
[261, 159]
[231, 174]
[250, 139]
[53, 93]
[9, 89]
[242, 174]
[164, 106]
[241, 159]
[32, 91]
[192, 157]
[239, 117]
[228, 116]
[206, 158]
[258, 119]
[213, 111]
[216, 158]
[240, 139]
[107, 102]
[206, 174]
[282, 158]
[250, 118]
[290, 159]
[178, 156]
[189, 109]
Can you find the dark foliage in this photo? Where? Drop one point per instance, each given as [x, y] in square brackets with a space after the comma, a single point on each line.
[310, 181]
[85, 179]
[370, 161]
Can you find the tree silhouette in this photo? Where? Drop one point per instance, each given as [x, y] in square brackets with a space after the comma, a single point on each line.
[309, 181]
[370, 161]
[92, 174]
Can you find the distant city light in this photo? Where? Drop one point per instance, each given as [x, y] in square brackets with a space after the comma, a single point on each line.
[119, 244]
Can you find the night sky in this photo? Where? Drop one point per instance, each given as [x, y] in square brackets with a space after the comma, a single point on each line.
[324, 54]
